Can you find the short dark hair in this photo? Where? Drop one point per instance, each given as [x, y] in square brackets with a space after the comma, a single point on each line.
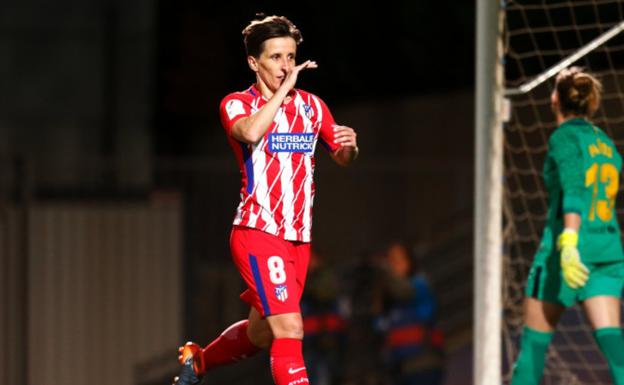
[268, 27]
[578, 92]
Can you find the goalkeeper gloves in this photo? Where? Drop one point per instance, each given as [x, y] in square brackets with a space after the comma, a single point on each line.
[574, 272]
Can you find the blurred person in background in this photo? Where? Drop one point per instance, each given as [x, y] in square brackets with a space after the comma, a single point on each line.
[323, 323]
[364, 291]
[413, 346]
[273, 129]
[580, 257]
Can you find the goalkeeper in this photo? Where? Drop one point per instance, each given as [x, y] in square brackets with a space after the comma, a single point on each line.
[580, 257]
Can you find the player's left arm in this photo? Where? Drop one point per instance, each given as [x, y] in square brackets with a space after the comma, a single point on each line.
[346, 138]
[566, 152]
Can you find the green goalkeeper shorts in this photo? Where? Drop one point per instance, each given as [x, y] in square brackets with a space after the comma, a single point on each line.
[546, 283]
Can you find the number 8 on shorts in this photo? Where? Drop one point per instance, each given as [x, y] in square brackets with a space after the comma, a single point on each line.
[276, 270]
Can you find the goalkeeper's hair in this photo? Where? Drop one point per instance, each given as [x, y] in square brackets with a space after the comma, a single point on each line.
[268, 27]
[578, 91]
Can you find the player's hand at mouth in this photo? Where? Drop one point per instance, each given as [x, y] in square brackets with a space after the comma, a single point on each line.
[289, 79]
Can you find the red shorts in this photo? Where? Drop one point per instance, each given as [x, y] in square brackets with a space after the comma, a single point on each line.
[273, 269]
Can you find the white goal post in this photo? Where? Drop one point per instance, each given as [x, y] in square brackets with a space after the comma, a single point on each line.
[488, 194]
[489, 151]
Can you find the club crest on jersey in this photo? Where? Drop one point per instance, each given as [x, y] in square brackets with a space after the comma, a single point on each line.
[281, 293]
[234, 108]
[289, 142]
[308, 111]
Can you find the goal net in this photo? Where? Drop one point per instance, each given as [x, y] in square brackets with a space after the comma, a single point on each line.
[537, 36]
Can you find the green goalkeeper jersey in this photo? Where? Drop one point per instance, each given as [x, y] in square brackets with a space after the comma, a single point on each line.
[581, 174]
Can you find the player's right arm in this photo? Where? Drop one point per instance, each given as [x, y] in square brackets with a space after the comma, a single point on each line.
[252, 128]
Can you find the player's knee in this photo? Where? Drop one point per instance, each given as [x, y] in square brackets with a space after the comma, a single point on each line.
[287, 326]
[261, 339]
[260, 334]
[291, 330]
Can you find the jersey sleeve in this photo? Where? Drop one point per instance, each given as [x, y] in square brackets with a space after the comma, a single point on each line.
[233, 107]
[326, 134]
[566, 152]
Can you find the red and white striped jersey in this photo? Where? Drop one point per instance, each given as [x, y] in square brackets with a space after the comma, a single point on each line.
[277, 189]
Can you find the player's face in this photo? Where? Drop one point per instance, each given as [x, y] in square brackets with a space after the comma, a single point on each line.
[275, 62]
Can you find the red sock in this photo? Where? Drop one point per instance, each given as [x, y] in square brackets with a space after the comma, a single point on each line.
[287, 364]
[231, 346]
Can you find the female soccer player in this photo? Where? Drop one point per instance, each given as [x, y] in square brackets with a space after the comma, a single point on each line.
[273, 129]
[580, 257]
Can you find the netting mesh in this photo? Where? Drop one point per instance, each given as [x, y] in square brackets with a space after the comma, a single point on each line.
[538, 34]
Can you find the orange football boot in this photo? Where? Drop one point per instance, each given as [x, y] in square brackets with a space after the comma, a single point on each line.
[192, 362]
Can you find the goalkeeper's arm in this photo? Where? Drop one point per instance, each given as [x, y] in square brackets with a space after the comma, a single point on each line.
[574, 272]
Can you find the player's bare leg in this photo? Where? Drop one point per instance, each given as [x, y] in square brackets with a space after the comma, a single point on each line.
[258, 330]
[287, 365]
[540, 320]
[603, 313]
[288, 325]
[541, 316]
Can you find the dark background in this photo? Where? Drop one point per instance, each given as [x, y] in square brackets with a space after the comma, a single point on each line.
[109, 105]
[365, 51]
[401, 74]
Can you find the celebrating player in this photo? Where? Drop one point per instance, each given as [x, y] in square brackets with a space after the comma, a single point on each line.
[580, 257]
[273, 129]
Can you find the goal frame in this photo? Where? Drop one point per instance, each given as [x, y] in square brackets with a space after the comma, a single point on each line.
[490, 104]
[488, 194]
